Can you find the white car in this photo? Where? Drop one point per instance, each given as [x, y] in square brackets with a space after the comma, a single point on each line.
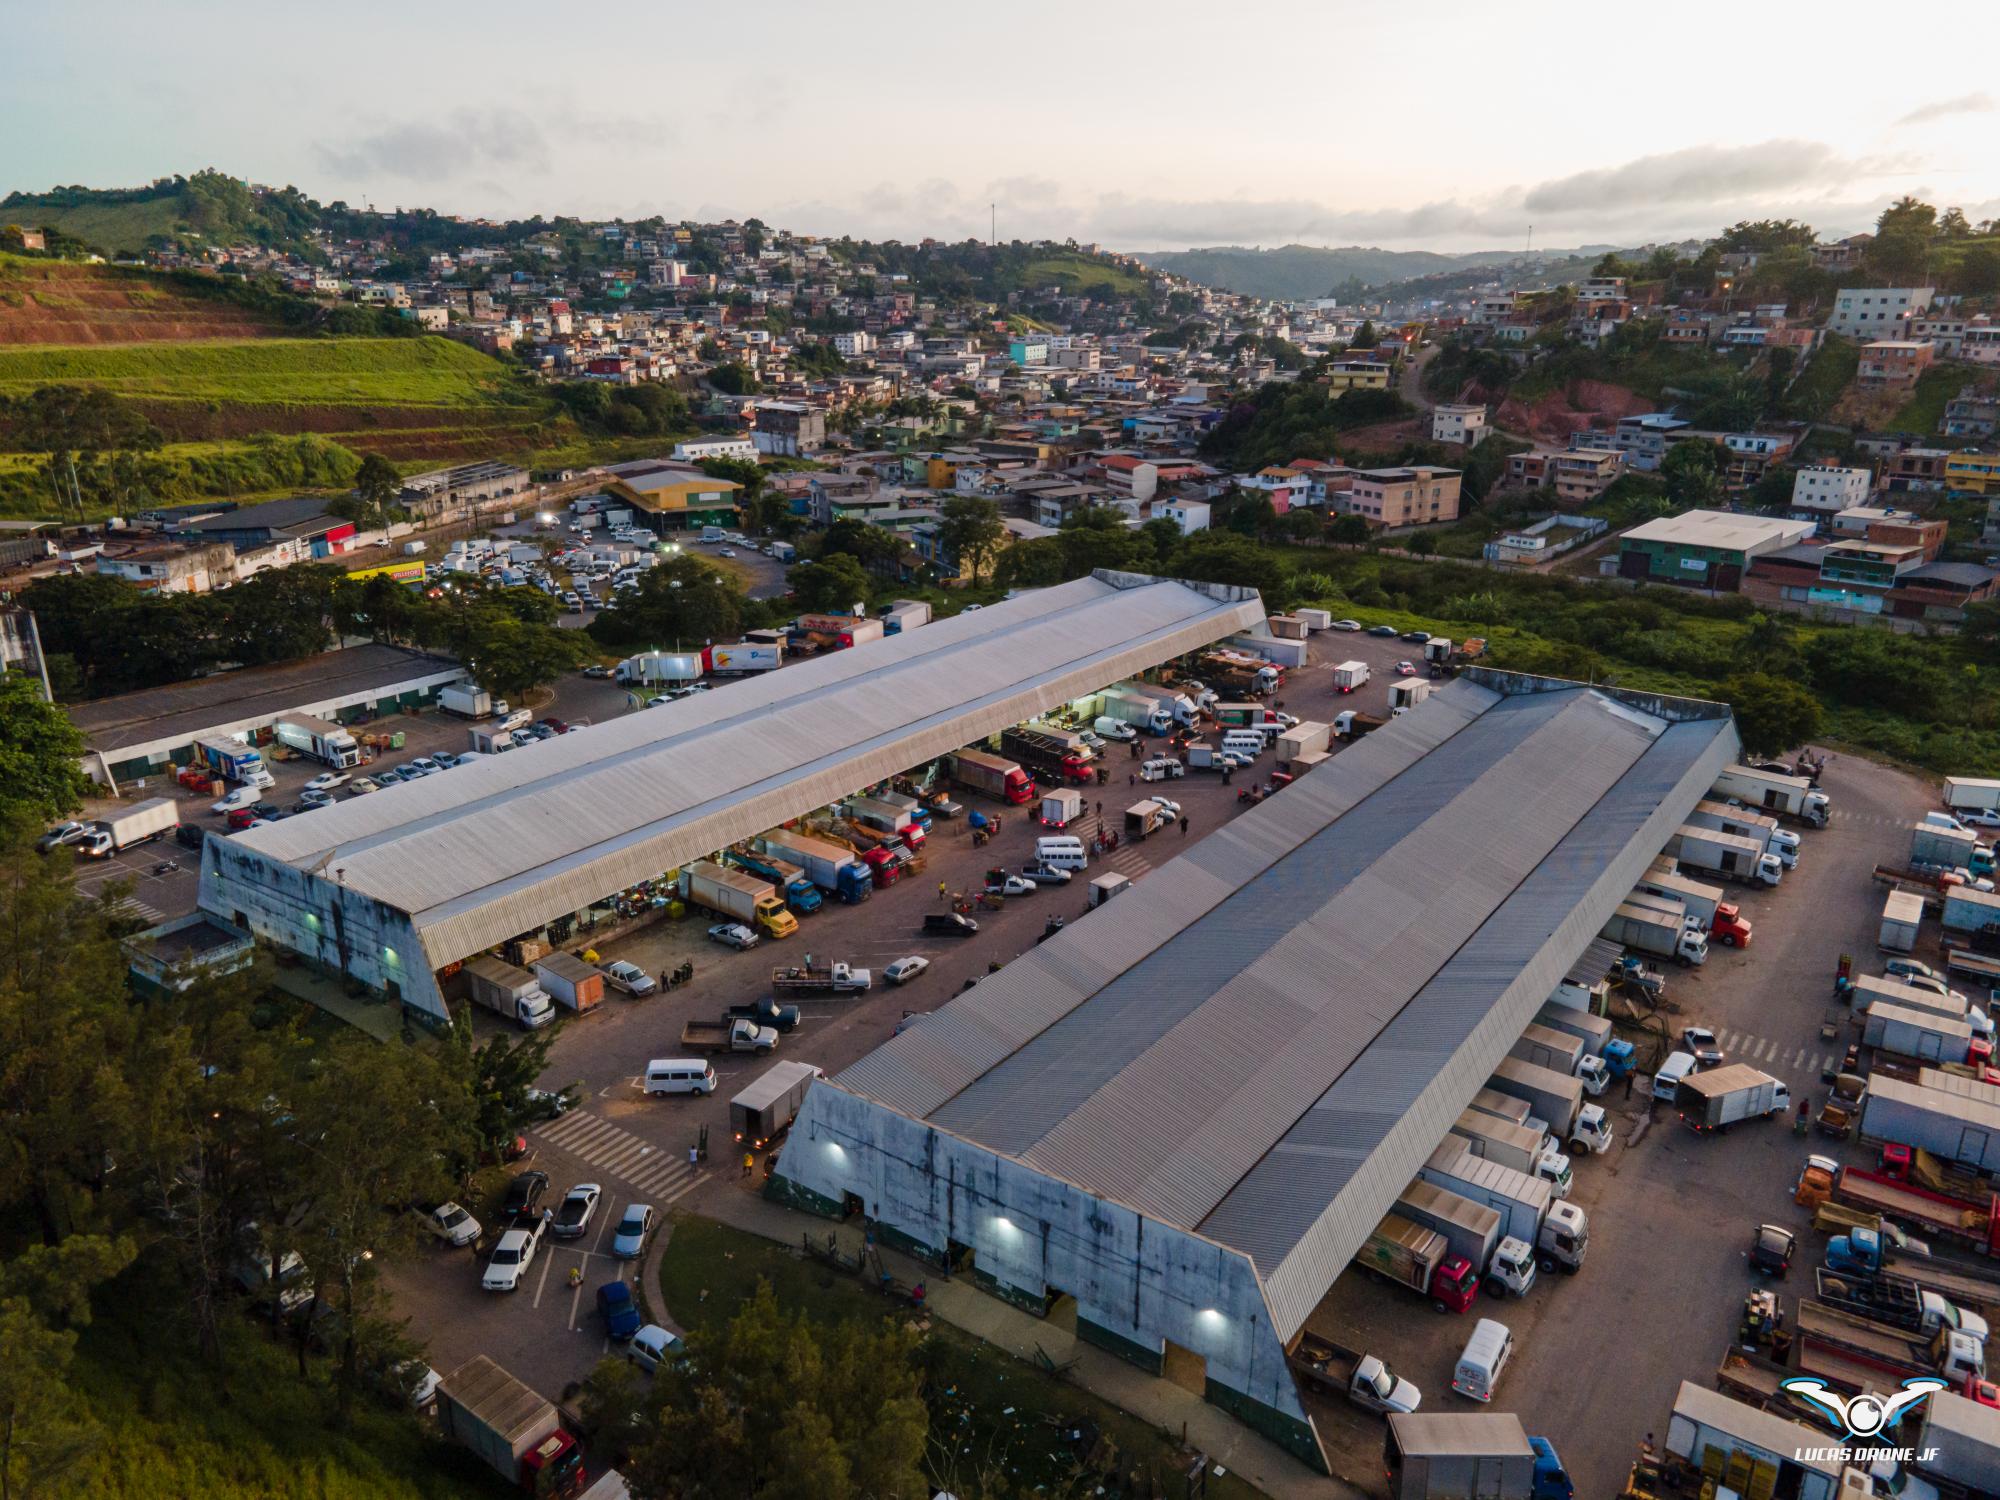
[1173, 809]
[511, 1259]
[652, 1346]
[1012, 885]
[1980, 817]
[726, 552]
[243, 796]
[326, 781]
[732, 935]
[452, 1224]
[1346, 625]
[421, 1380]
[423, 765]
[903, 970]
[630, 978]
[364, 785]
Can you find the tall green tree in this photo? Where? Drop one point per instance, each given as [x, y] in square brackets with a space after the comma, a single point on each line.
[971, 531]
[833, 585]
[40, 751]
[1773, 714]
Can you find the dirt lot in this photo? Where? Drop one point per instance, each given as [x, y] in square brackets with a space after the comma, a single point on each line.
[638, 1147]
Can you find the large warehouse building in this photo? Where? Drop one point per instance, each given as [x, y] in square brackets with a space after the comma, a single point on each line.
[1186, 1112]
[392, 888]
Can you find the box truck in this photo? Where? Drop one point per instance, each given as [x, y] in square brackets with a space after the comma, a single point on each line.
[991, 774]
[1972, 794]
[1555, 1098]
[1711, 1432]
[1791, 797]
[1646, 930]
[468, 701]
[570, 982]
[1142, 711]
[832, 868]
[232, 760]
[1728, 855]
[1470, 1456]
[1521, 1147]
[1418, 1257]
[1761, 828]
[508, 992]
[1948, 1125]
[655, 668]
[1472, 1228]
[1697, 898]
[1350, 675]
[141, 823]
[1407, 692]
[324, 742]
[764, 1111]
[1060, 809]
[739, 896]
[1903, 1031]
[744, 659]
[515, 1432]
[1559, 1051]
[1302, 739]
[1558, 1233]
[1721, 1097]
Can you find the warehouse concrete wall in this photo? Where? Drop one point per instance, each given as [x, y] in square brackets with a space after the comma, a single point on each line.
[322, 921]
[1137, 1282]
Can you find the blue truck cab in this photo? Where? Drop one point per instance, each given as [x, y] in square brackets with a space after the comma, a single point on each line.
[1552, 1480]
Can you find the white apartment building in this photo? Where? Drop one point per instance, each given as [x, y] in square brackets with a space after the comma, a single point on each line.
[1190, 515]
[1464, 425]
[1879, 312]
[704, 448]
[1828, 489]
[848, 345]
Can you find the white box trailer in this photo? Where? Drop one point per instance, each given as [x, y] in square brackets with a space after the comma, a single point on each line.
[1698, 899]
[1459, 1456]
[1972, 793]
[1595, 1032]
[1521, 1201]
[1920, 1034]
[1405, 693]
[1961, 1443]
[1302, 739]
[1948, 1125]
[1729, 855]
[1902, 916]
[1554, 1097]
[1786, 796]
[1350, 675]
[1314, 619]
[1546, 1047]
[1870, 990]
[1473, 1229]
[1967, 910]
[1708, 1429]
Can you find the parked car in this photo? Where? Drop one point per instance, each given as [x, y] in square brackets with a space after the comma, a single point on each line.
[732, 935]
[1979, 817]
[557, 726]
[949, 924]
[596, 671]
[1406, 669]
[364, 785]
[1386, 632]
[574, 1215]
[310, 799]
[630, 978]
[1046, 875]
[423, 765]
[619, 1311]
[629, 1243]
[1346, 625]
[1771, 1249]
[903, 970]
[1011, 885]
[1416, 637]
[73, 832]
[326, 781]
[524, 1193]
[390, 776]
[652, 1346]
[1703, 1044]
[188, 836]
[451, 1224]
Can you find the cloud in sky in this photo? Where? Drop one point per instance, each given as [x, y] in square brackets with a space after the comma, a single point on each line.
[1944, 109]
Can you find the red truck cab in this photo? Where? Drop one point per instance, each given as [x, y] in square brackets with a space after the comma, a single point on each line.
[883, 865]
[1078, 770]
[1731, 928]
[1020, 787]
[1454, 1284]
[554, 1466]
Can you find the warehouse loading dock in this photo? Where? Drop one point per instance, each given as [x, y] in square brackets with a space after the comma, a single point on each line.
[391, 888]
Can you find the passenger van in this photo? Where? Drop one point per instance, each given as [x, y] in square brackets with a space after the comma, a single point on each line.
[1486, 1355]
[680, 1075]
[1062, 853]
[1244, 741]
[1667, 1082]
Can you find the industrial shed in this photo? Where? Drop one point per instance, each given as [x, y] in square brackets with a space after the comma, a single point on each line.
[1188, 1109]
[391, 888]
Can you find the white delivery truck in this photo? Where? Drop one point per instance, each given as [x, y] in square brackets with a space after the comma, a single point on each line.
[1729, 855]
[141, 823]
[1350, 675]
[1785, 796]
[507, 991]
[1722, 1097]
[323, 741]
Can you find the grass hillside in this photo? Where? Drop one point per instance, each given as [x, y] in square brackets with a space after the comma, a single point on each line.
[1075, 272]
[121, 228]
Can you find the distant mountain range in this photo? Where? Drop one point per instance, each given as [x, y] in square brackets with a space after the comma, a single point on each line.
[1296, 272]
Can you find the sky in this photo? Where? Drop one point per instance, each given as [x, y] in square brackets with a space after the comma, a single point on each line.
[1431, 124]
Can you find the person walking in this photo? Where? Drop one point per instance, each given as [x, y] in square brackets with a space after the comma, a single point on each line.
[944, 893]
[749, 1163]
[694, 1158]
[1183, 825]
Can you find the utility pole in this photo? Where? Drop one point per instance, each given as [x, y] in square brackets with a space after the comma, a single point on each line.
[992, 225]
[1531, 241]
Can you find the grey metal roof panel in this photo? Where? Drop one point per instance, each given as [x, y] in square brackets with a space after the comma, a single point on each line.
[494, 849]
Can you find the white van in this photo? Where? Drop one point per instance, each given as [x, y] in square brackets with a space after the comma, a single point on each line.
[1244, 741]
[1062, 853]
[1667, 1082]
[1486, 1355]
[1114, 729]
[680, 1075]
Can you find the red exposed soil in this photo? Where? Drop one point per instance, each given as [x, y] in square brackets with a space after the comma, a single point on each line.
[1554, 417]
[73, 304]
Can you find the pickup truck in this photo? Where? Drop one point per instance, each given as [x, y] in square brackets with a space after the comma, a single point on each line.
[573, 1217]
[1361, 1378]
[728, 1035]
[766, 1013]
[821, 979]
[514, 1252]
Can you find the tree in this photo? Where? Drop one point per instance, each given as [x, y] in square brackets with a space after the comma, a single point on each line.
[1952, 225]
[510, 657]
[1692, 478]
[1365, 337]
[1978, 272]
[832, 586]
[971, 532]
[683, 601]
[1423, 544]
[39, 751]
[1351, 531]
[378, 483]
[1773, 714]
[734, 379]
[1218, 557]
[774, 1407]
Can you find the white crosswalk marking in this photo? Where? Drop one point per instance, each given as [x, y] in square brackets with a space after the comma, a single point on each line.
[130, 909]
[660, 1176]
[1763, 1049]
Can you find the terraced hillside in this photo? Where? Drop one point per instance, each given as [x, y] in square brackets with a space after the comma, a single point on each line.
[66, 302]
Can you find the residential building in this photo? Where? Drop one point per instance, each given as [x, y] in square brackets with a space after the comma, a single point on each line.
[789, 429]
[1915, 470]
[1943, 330]
[1546, 538]
[1746, 455]
[1582, 474]
[1464, 426]
[1190, 515]
[1892, 364]
[1028, 349]
[1285, 486]
[850, 345]
[1981, 346]
[1871, 313]
[1134, 478]
[1356, 375]
[699, 450]
[1825, 488]
[1706, 549]
[1644, 438]
[1685, 325]
[1402, 497]
[1865, 578]
[1971, 473]
[1971, 414]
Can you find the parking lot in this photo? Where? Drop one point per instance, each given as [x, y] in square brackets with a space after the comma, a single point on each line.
[1600, 1354]
[637, 1146]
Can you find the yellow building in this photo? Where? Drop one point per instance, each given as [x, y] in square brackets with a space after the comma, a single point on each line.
[1356, 375]
[1973, 473]
[677, 497]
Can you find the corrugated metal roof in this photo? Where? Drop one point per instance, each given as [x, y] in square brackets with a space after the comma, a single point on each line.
[1294, 983]
[494, 849]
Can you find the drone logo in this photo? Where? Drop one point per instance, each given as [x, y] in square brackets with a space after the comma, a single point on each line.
[1864, 1416]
